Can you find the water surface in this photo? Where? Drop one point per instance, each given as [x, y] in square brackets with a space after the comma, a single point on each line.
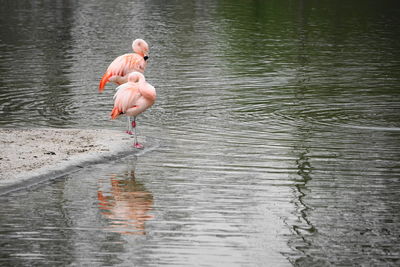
[274, 139]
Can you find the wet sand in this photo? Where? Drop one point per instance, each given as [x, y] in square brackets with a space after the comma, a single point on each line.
[30, 156]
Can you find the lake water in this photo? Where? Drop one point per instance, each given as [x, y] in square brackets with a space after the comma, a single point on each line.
[274, 141]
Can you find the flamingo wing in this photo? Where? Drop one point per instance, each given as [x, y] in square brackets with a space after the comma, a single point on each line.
[125, 64]
[125, 98]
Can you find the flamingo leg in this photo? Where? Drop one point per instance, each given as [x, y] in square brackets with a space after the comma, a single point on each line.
[129, 131]
[136, 143]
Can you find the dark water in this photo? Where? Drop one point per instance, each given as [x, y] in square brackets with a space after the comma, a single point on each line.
[275, 137]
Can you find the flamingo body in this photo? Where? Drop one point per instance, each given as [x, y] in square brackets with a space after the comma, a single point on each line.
[120, 68]
[133, 98]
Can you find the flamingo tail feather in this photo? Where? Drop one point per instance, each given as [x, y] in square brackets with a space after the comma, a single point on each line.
[104, 80]
[115, 113]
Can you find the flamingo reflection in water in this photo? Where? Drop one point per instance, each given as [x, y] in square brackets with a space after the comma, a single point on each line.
[126, 204]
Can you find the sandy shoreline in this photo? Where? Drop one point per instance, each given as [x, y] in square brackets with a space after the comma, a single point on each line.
[29, 156]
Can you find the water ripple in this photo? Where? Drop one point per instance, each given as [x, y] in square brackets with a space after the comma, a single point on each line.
[276, 127]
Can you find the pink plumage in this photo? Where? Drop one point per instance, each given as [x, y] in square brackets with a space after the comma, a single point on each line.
[133, 98]
[120, 68]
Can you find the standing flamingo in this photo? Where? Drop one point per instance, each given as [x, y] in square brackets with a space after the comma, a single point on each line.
[133, 98]
[119, 69]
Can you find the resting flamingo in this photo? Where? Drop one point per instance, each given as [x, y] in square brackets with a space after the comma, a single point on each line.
[119, 69]
[133, 98]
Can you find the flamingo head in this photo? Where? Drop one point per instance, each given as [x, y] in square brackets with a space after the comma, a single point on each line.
[141, 48]
[135, 77]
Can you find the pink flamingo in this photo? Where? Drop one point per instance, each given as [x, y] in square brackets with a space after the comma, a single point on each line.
[119, 69]
[133, 98]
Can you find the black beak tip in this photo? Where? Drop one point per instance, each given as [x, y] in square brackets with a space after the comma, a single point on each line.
[146, 58]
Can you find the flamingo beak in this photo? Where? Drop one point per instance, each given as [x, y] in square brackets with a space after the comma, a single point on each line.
[146, 58]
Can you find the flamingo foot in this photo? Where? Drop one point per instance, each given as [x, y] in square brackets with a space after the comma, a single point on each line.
[129, 132]
[138, 146]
